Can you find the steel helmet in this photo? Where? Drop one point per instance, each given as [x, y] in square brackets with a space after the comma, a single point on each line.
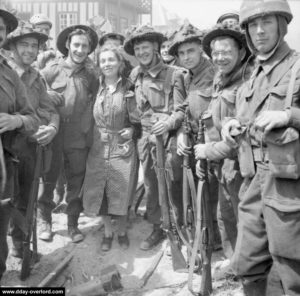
[254, 8]
[38, 19]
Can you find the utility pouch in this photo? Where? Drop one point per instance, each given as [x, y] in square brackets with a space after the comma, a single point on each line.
[284, 152]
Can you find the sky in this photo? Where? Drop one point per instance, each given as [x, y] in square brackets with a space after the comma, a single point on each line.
[204, 14]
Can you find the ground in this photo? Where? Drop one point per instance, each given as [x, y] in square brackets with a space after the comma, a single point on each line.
[89, 260]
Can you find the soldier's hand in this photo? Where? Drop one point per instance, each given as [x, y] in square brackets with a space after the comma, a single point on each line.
[199, 150]
[126, 133]
[182, 149]
[159, 128]
[45, 134]
[199, 171]
[268, 120]
[226, 132]
[9, 122]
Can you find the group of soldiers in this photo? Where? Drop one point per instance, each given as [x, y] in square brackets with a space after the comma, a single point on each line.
[240, 79]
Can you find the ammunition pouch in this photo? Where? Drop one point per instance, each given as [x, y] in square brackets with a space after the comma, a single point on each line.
[284, 153]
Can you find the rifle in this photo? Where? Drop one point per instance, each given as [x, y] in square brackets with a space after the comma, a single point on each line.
[3, 168]
[204, 228]
[30, 218]
[178, 260]
[188, 190]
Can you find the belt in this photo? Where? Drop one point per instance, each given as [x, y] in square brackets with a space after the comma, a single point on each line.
[260, 154]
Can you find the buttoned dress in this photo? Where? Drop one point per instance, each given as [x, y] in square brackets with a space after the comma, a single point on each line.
[112, 160]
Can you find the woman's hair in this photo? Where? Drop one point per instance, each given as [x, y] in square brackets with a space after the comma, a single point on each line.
[118, 54]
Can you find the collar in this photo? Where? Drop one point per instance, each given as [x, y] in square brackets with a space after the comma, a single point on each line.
[155, 70]
[20, 71]
[198, 72]
[104, 87]
[221, 82]
[282, 51]
[71, 70]
[31, 73]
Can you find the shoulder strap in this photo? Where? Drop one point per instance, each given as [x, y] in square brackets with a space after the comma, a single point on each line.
[290, 91]
[169, 80]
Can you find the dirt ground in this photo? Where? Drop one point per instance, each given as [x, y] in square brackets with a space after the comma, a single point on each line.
[89, 260]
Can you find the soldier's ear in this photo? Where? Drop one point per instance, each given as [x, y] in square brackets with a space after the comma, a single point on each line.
[68, 44]
[156, 46]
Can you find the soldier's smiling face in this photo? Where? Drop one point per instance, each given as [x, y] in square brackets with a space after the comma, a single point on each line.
[225, 54]
[2, 32]
[189, 54]
[26, 50]
[264, 33]
[144, 51]
[79, 48]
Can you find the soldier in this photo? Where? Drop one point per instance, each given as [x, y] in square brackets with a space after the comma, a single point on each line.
[17, 115]
[226, 46]
[159, 89]
[43, 25]
[198, 84]
[229, 18]
[164, 50]
[73, 85]
[24, 44]
[269, 210]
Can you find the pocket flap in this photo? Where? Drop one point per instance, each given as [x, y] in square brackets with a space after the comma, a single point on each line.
[281, 136]
[58, 85]
[158, 86]
[229, 95]
[129, 94]
[205, 93]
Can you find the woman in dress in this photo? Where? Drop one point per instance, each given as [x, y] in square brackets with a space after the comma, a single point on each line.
[112, 160]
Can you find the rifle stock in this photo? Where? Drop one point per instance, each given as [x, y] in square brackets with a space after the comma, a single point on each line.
[204, 233]
[30, 217]
[188, 217]
[206, 222]
[178, 260]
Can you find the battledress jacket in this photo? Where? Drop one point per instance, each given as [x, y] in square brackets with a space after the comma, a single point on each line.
[74, 91]
[198, 85]
[159, 90]
[266, 90]
[14, 100]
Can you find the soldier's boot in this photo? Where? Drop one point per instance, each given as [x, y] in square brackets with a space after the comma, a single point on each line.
[73, 231]
[257, 288]
[153, 239]
[45, 231]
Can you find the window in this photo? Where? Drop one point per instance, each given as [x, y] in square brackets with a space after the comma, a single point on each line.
[67, 19]
[123, 24]
[113, 21]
